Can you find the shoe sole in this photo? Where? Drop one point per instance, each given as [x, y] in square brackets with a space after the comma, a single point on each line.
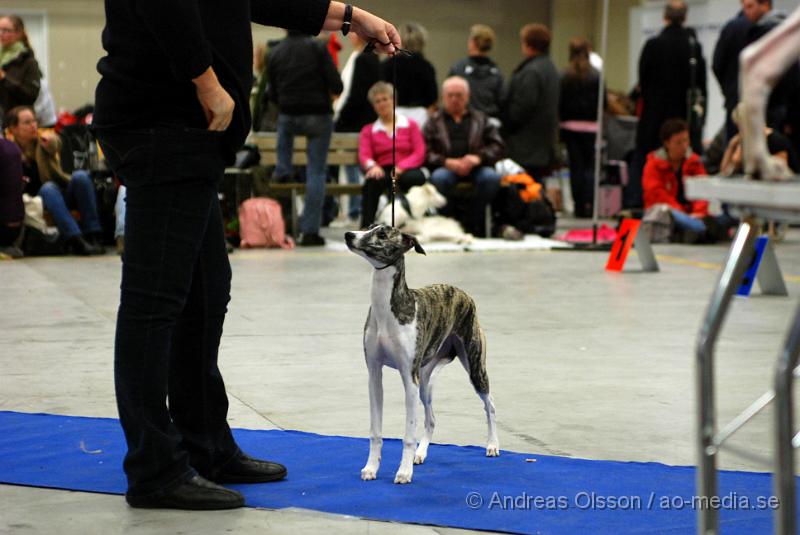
[150, 503]
[254, 479]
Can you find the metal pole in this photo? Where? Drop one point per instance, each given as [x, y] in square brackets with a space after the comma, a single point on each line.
[598, 139]
[729, 280]
[783, 480]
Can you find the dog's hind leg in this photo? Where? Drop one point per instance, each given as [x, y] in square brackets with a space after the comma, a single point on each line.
[426, 378]
[472, 354]
[406, 469]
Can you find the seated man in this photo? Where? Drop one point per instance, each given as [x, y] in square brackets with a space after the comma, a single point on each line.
[463, 147]
[59, 191]
[663, 180]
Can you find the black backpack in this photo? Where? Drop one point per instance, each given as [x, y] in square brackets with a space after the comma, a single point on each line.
[535, 217]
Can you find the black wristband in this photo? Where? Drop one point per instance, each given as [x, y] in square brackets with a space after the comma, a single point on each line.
[348, 18]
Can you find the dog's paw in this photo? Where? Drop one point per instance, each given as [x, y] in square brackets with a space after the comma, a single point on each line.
[419, 458]
[403, 477]
[368, 473]
[492, 450]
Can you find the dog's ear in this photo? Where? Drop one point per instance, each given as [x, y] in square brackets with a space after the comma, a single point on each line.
[410, 241]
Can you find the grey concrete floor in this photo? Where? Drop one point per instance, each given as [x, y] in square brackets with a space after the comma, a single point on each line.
[582, 362]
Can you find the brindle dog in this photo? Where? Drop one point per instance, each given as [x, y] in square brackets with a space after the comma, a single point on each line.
[415, 331]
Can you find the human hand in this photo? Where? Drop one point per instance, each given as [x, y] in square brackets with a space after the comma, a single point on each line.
[471, 161]
[46, 138]
[398, 171]
[375, 172]
[2, 74]
[216, 102]
[371, 28]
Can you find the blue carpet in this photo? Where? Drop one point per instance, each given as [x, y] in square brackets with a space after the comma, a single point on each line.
[551, 495]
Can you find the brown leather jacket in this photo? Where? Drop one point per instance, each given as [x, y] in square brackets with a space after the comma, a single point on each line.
[484, 139]
[21, 85]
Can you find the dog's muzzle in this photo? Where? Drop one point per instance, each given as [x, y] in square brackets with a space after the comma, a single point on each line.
[348, 239]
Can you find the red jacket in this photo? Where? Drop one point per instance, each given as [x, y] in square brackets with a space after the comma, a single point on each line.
[660, 183]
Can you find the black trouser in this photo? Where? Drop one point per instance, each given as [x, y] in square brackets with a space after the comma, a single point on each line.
[174, 295]
[580, 150]
[374, 188]
[9, 234]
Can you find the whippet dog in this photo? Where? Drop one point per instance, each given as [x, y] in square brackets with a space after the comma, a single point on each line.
[415, 331]
[761, 66]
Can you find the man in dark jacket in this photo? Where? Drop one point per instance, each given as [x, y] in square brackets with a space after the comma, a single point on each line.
[302, 81]
[483, 75]
[463, 146]
[670, 67]
[731, 42]
[171, 110]
[530, 110]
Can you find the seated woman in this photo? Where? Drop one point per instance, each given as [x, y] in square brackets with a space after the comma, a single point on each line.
[375, 152]
[59, 191]
[663, 182]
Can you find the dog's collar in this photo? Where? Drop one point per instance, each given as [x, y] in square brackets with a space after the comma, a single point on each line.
[387, 265]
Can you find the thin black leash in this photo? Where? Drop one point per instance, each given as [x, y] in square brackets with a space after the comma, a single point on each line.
[393, 175]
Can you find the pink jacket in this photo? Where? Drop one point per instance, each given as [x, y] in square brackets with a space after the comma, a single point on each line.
[375, 145]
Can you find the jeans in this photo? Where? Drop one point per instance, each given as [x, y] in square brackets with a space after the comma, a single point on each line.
[119, 212]
[487, 184]
[353, 174]
[78, 193]
[317, 129]
[175, 289]
[373, 188]
[684, 221]
[580, 150]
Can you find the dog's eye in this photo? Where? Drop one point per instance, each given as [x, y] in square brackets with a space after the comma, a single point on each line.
[381, 234]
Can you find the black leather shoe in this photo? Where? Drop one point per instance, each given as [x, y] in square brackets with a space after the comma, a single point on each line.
[310, 240]
[196, 494]
[77, 245]
[245, 469]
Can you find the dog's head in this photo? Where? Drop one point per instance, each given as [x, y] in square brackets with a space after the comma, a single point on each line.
[424, 198]
[381, 245]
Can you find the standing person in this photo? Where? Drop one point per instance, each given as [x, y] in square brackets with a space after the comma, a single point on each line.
[352, 110]
[580, 85]
[171, 113]
[20, 76]
[375, 152]
[667, 75]
[530, 110]
[417, 91]
[302, 81]
[483, 74]
[725, 64]
[463, 146]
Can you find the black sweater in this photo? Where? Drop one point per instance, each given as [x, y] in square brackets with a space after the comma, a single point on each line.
[302, 76]
[156, 47]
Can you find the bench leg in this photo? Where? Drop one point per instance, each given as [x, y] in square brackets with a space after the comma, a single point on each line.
[295, 232]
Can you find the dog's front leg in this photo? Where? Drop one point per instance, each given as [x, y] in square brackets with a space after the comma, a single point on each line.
[406, 469]
[370, 470]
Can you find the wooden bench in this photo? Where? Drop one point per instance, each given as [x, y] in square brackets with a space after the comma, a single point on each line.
[343, 151]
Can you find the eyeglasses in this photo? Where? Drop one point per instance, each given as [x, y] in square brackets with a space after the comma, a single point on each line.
[8, 30]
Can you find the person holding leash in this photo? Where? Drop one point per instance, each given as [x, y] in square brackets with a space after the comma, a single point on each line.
[171, 112]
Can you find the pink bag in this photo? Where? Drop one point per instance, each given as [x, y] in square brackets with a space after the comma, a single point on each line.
[261, 224]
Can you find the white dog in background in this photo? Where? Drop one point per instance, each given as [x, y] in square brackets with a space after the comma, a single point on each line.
[412, 218]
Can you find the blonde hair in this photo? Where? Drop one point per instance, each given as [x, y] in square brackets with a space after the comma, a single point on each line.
[414, 36]
[483, 37]
[380, 88]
